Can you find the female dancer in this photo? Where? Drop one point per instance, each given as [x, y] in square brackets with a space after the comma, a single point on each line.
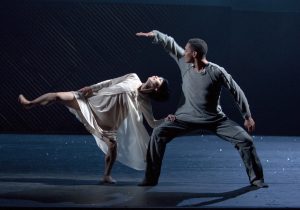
[112, 112]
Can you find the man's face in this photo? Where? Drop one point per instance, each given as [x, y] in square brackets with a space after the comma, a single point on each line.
[188, 54]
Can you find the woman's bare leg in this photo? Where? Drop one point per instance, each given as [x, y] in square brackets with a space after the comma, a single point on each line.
[66, 98]
[110, 159]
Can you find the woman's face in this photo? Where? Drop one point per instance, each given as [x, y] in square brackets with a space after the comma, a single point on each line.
[152, 83]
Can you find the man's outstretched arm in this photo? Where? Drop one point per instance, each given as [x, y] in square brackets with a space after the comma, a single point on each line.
[166, 41]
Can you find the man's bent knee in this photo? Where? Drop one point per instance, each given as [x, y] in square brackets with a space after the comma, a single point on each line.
[159, 136]
[244, 140]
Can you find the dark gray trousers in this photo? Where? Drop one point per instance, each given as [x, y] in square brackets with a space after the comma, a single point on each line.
[225, 129]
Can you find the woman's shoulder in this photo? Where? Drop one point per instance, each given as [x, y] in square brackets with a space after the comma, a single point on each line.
[134, 75]
[126, 77]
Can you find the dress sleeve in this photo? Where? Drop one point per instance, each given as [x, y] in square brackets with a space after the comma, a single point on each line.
[236, 92]
[100, 85]
[109, 82]
[169, 44]
[146, 108]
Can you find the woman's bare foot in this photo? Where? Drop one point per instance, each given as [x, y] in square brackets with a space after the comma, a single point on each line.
[26, 104]
[109, 180]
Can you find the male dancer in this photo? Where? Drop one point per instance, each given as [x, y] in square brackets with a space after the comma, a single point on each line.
[202, 82]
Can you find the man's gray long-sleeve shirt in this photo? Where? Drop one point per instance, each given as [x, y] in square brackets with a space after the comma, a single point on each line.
[200, 102]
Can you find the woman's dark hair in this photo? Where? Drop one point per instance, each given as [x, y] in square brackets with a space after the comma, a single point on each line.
[163, 92]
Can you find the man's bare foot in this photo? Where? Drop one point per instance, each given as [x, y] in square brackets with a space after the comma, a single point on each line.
[26, 104]
[108, 179]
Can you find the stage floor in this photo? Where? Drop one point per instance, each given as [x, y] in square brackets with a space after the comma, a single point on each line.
[198, 171]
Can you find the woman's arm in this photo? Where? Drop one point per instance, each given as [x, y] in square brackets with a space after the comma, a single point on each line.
[89, 90]
[146, 108]
[100, 85]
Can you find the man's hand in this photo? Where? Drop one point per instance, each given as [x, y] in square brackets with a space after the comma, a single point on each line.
[249, 124]
[86, 91]
[170, 117]
[143, 34]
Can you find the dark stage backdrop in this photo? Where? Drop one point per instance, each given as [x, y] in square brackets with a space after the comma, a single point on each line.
[59, 45]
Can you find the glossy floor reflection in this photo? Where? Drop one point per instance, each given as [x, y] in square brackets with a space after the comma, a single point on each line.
[198, 171]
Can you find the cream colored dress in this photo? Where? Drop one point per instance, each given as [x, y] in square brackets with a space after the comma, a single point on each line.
[115, 112]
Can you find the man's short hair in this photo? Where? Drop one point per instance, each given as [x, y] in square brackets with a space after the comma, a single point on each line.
[199, 45]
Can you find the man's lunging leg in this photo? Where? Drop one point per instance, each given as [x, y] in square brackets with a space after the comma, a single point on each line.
[243, 142]
[161, 135]
[250, 158]
[155, 153]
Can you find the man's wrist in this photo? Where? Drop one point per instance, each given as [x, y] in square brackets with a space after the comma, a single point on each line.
[247, 117]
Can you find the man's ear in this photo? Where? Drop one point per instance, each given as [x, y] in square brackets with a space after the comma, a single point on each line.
[195, 54]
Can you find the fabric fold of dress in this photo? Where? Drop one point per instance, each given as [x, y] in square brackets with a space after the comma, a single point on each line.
[114, 112]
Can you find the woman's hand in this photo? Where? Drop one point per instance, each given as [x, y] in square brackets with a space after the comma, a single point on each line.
[86, 91]
[170, 117]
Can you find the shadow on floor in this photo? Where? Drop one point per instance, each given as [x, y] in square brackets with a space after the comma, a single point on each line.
[51, 181]
[184, 199]
[123, 194]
